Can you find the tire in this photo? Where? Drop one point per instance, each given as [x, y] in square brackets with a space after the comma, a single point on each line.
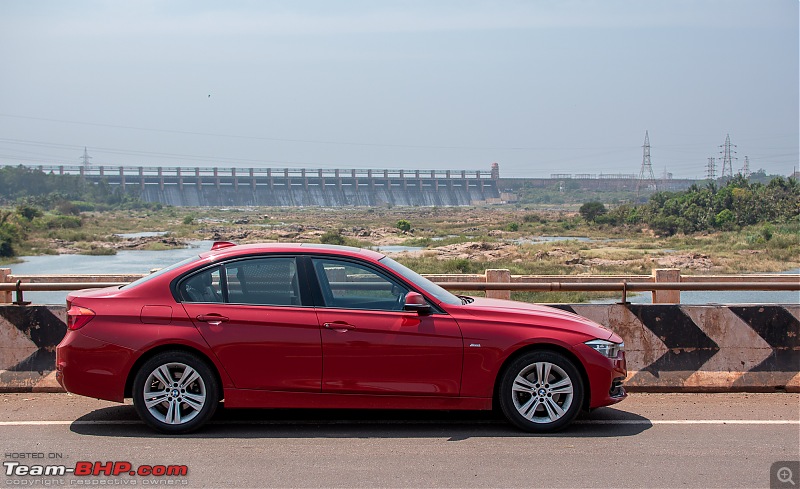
[187, 404]
[541, 407]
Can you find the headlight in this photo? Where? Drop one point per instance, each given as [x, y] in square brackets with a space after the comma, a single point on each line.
[606, 348]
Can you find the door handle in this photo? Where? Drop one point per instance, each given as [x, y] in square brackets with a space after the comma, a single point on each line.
[340, 326]
[213, 319]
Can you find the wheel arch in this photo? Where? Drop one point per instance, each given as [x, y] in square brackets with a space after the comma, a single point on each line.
[550, 347]
[171, 347]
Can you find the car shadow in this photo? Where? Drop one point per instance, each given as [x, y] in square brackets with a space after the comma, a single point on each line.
[122, 421]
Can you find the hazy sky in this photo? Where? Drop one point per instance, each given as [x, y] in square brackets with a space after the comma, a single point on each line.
[541, 87]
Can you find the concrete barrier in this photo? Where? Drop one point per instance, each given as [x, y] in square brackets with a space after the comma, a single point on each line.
[669, 347]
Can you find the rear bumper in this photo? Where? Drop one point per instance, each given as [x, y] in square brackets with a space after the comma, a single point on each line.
[92, 368]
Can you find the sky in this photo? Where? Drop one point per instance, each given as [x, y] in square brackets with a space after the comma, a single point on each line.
[540, 87]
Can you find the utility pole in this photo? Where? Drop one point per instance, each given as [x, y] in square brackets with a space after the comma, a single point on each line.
[711, 171]
[646, 177]
[727, 160]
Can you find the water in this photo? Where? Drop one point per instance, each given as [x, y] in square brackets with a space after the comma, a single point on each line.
[125, 261]
[396, 248]
[551, 239]
[554, 239]
[722, 296]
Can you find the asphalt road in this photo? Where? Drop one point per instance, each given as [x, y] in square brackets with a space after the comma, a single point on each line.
[649, 440]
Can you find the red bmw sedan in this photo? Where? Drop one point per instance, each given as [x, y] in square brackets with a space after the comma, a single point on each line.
[313, 326]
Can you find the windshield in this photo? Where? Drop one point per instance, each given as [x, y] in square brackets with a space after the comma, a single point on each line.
[421, 282]
[161, 271]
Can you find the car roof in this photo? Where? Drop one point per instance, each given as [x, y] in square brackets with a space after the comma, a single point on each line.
[305, 248]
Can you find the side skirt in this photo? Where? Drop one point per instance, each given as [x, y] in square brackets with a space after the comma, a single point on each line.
[241, 398]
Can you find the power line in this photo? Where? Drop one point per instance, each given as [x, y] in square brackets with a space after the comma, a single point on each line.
[312, 141]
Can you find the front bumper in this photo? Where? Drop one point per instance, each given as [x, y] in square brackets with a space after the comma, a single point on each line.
[606, 376]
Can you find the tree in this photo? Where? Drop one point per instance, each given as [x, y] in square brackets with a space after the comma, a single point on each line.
[592, 210]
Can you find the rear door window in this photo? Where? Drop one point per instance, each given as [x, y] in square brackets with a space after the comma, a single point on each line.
[205, 286]
[263, 281]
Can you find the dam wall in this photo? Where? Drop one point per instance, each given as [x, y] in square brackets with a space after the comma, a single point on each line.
[290, 187]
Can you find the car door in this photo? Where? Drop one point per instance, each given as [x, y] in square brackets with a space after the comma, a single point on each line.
[370, 345]
[258, 319]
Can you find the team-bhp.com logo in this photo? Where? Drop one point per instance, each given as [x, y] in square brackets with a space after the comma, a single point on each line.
[99, 469]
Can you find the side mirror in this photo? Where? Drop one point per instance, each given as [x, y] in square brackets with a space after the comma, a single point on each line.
[415, 302]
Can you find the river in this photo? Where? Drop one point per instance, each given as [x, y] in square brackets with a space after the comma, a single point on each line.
[142, 261]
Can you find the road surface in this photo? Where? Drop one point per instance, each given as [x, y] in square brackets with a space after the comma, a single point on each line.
[649, 440]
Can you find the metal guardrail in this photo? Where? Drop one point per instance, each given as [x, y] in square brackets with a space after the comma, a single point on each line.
[19, 287]
[625, 287]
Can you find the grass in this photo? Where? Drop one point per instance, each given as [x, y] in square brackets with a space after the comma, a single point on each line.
[99, 251]
[157, 246]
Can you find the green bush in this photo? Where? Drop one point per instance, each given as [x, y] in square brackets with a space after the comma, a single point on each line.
[458, 265]
[67, 208]
[590, 211]
[333, 237]
[725, 219]
[404, 225]
[64, 222]
[29, 212]
[8, 236]
[766, 232]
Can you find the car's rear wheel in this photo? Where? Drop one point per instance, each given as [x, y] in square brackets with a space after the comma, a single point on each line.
[541, 391]
[175, 392]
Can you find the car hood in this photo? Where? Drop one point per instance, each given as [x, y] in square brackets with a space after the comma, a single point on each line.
[534, 314]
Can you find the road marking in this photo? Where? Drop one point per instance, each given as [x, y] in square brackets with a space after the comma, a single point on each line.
[688, 421]
[379, 422]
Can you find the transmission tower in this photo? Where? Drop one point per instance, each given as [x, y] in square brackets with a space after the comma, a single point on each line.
[646, 177]
[745, 171]
[711, 170]
[85, 158]
[727, 161]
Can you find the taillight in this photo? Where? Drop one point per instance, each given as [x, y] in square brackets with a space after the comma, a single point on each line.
[78, 317]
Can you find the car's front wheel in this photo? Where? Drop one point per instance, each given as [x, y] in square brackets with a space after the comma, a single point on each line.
[541, 391]
[175, 392]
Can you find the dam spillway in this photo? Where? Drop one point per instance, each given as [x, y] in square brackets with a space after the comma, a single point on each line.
[180, 186]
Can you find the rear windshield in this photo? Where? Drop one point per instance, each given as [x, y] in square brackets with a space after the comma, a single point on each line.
[160, 272]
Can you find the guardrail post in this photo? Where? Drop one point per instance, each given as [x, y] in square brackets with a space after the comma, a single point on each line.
[498, 275]
[5, 296]
[666, 296]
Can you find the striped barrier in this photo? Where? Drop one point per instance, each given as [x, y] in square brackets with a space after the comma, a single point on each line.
[28, 339]
[669, 347]
[705, 348]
